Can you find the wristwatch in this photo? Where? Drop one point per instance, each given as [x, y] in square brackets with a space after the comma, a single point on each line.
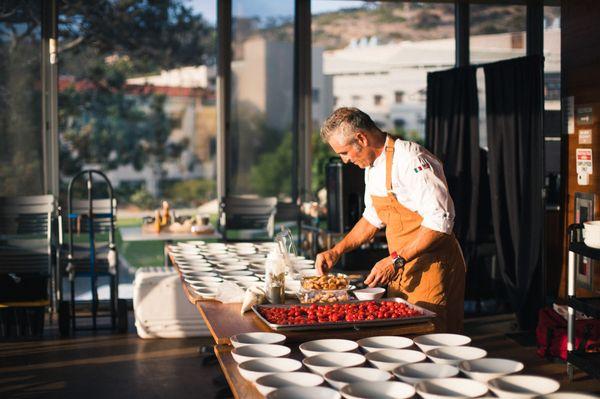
[398, 261]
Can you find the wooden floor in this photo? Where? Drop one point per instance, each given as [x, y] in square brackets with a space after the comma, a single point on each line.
[106, 365]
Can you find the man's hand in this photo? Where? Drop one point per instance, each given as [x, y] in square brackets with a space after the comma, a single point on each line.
[382, 273]
[326, 260]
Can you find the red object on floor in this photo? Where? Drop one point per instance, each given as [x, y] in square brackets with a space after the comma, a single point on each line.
[551, 334]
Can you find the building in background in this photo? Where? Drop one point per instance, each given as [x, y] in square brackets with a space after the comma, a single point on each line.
[389, 81]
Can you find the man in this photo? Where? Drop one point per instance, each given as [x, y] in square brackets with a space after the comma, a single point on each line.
[406, 192]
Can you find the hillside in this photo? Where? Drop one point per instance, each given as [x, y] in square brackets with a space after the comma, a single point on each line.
[392, 22]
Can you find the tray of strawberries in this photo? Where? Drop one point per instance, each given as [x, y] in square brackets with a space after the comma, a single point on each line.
[348, 314]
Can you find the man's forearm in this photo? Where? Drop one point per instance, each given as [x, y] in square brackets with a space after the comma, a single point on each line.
[362, 232]
[425, 241]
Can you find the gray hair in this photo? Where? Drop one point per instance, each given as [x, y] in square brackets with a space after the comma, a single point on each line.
[346, 121]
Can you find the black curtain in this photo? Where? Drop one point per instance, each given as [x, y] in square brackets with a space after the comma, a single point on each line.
[452, 134]
[514, 101]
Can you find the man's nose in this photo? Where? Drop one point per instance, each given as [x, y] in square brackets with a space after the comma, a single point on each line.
[345, 158]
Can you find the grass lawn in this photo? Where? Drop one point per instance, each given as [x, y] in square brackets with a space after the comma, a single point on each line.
[142, 253]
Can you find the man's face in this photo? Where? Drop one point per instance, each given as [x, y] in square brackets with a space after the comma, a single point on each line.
[351, 151]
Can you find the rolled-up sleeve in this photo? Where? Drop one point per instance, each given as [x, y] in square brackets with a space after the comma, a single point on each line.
[425, 177]
[370, 214]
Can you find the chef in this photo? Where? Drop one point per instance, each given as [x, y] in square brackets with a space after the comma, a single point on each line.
[406, 192]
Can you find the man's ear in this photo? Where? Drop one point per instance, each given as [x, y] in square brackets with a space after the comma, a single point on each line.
[362, 139]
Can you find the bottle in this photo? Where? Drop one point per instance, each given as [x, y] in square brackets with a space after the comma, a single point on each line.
[275, 277]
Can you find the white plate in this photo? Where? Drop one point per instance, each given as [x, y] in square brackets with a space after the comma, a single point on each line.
[341, 377]
[371, 344]
[256, 368]
[256, 338]
[443, 388]
[380, 390]
[232, 273]
[431, 341]
[304, 393]
[389, 359]
[257, 351]
[271, 382]
[455, 354]
[489, 368]
[522, 386]
[417, 372]
[325, 362]
[316, 347]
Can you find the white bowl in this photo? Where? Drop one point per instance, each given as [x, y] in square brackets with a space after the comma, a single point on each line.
[249, 284]
[271, 382]
[316, 347]
[389, 359]
[256, 351]
[304, 393]
[202, 269]
[384, 342]
[230, 268]
[207, 293]
[443, 388]
[339, 378]
[380, 390]
[236, 273]
[567, 395]
[256, 338]
[239, 279]
[256, 368]
[367, 294]
[325, 362]
[232, 262]
[417, 372]
[431, 341]
[489, 368]
[205, 284]
[455, 354]
[522, 386]
[199, 274]
[193, 279]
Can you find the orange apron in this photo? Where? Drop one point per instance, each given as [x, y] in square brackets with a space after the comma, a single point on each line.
[435, 280]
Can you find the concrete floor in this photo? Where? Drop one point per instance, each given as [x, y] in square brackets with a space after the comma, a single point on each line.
[106, 365]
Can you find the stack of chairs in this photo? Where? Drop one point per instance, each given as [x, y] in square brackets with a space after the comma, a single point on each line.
[244, 218]
[26, 263]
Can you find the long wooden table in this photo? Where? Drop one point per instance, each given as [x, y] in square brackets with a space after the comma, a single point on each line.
[224, 320]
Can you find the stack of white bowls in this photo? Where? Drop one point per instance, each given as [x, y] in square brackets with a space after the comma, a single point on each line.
[430, 367]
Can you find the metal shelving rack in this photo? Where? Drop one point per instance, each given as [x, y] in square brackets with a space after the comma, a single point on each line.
[588, 362]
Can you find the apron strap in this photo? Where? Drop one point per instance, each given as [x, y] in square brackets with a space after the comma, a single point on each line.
[389, 156]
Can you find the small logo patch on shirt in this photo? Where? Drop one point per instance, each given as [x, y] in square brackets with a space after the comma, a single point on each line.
[422, 167]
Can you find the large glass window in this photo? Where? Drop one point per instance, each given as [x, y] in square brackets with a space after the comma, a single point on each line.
[137, 98]
[376, 56]
[497, 32]
[21, 165]
[552, 104]
[260, 146]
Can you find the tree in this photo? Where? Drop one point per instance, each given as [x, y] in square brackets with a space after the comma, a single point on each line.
[102, 120]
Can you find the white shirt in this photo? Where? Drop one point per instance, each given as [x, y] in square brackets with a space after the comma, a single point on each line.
[418, 183]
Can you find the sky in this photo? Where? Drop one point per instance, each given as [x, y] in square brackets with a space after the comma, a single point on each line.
[267, 8]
